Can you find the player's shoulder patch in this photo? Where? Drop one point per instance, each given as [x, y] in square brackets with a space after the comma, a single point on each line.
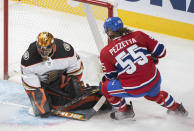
[66, 46]
[26, 55]
[31, 56]
[63, 49]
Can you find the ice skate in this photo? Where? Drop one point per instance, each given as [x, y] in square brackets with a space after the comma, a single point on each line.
[180, 111]
[118, 115]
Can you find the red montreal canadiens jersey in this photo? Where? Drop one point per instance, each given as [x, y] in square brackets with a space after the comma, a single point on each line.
[128, 58]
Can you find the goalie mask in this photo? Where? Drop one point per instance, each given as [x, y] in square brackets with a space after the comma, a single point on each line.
[45, 43]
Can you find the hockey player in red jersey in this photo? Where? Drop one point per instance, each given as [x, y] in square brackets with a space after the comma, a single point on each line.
[129, 63]
[51, 76]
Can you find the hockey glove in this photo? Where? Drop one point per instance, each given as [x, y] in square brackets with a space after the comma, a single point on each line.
[71, 87]
[101, 82]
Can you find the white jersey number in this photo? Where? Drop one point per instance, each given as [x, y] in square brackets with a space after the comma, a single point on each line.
[128, 63]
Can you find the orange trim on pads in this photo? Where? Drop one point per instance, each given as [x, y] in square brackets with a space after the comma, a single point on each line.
[43, 101]
[74, 106]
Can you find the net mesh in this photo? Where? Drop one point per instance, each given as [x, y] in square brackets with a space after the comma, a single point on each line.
[27, 18]
[67, 7]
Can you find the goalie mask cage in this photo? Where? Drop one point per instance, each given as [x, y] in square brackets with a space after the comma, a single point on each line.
[79, 23]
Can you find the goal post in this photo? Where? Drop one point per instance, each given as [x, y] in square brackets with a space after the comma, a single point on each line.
[5, 62]
[80, 24]
[91, 19]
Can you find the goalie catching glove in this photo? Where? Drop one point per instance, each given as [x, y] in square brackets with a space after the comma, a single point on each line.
[75, 88]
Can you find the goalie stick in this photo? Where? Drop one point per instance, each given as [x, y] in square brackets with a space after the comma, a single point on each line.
[77, 99]
[80, 116]
[95, 109]
[71, 115]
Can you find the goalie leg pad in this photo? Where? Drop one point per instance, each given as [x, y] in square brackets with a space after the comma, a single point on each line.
[39, 101]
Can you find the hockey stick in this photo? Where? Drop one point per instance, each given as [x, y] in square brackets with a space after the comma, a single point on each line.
[71, 115]
[75, 100]
[64, 114]
[80, 116]
[95, 109]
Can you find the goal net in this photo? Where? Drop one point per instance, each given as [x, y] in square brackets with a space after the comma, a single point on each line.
[79, 23]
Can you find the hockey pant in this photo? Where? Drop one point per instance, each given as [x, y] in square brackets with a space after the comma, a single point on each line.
[117, 99]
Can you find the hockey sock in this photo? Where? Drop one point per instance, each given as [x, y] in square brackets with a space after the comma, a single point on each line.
[165, 100]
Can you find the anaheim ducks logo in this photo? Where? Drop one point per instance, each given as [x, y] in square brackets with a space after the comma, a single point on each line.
[26, 55]
[66, 47]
